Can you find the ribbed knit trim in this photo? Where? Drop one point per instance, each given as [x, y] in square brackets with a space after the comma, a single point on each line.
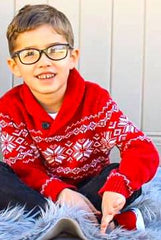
[117, 182]
[53, 187]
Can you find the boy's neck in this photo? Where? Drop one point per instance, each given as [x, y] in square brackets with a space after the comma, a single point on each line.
[51, 102]
[51, 105]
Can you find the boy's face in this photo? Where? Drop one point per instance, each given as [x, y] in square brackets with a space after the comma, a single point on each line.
[45, 76]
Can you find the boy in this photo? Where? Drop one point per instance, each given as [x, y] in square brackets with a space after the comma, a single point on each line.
[57, 130]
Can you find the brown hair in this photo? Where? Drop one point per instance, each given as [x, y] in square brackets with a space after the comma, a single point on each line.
[32, 16]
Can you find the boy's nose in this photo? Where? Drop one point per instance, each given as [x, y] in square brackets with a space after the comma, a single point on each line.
[44, 61]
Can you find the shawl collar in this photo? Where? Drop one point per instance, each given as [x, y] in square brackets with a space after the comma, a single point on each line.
[72, 100]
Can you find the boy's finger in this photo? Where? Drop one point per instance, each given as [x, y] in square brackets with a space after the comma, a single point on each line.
[105, 222]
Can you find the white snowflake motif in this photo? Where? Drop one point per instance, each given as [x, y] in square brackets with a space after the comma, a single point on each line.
[7, 143]
[83, 148]
[54, 154]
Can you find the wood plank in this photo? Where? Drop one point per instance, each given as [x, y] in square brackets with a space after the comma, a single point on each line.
[20, 4]
[6, 76]
[152, 81]
[127, 58]
[95, 41]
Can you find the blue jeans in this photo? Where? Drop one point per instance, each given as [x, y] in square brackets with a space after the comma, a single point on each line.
[14, 192]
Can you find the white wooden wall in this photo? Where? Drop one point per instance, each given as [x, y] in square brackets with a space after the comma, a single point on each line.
[120, 43]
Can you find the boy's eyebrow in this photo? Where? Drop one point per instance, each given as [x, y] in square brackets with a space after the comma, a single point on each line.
[34, 47]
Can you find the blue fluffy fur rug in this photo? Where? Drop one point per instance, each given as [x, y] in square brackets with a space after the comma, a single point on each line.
[16, 225]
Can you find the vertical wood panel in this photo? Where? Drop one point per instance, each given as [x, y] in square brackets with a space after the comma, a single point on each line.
[6, 76]
[95, 40]
[21, 3]
[152, 81]
[128, 29]
[152, 85]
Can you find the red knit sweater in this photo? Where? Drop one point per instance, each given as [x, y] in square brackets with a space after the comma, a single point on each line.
[50, 155]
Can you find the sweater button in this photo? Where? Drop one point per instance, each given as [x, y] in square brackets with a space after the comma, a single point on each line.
[45, 125]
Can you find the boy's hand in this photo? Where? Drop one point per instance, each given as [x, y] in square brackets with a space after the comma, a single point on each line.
[112, 203]
[73, 198]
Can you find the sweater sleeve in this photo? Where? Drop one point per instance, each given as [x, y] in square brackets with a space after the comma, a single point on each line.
[22, 155]
[139, 157]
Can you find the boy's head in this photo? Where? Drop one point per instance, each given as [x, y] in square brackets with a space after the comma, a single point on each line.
[32, 16]
[41, 46]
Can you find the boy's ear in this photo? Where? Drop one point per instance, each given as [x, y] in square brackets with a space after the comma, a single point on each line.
[13, 67]
[74, 58]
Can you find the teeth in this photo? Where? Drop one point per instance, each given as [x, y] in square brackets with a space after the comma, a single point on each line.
[45, 76]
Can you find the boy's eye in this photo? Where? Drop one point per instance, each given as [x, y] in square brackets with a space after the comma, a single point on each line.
[29, 53]
[52, 49]
[56, 49]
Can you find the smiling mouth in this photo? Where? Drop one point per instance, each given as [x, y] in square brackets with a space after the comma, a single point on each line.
[46, 76]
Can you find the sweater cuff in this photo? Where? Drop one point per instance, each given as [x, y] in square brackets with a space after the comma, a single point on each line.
[53, 186]
[117, 182]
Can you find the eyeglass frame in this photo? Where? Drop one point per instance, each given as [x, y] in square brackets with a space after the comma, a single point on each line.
[17, 53]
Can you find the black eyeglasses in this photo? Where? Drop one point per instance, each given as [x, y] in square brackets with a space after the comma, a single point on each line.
[54, 52]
